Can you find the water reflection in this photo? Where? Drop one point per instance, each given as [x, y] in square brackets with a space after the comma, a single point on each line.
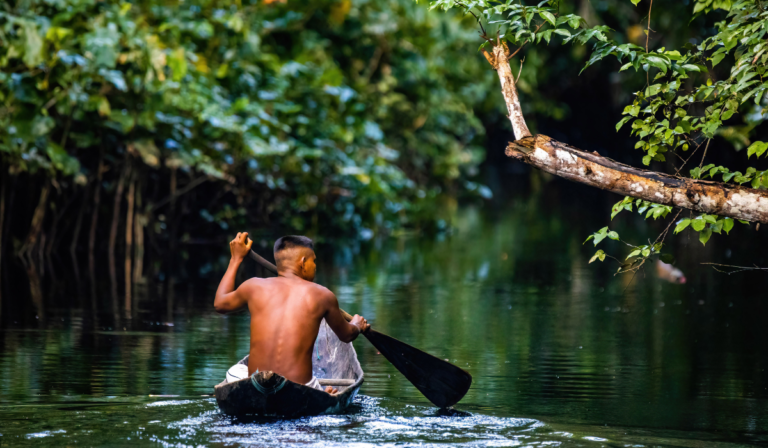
[562, 352]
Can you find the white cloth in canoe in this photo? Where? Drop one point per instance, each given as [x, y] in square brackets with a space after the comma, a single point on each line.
[331, 358]
[240, 371]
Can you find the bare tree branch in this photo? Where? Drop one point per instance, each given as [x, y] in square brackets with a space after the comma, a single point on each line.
[716, 198]
[736, 268]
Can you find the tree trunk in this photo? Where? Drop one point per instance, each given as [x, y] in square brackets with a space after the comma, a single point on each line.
[715, 198]
[499, 60]
[6, 228]
[3, 188]
[36, 225]
[113, 236]
[53, 236]
[36, 291]
[129, 245]
[138, 256]
[92, 234]
[170, 285]
[29, 246]
[76, 235]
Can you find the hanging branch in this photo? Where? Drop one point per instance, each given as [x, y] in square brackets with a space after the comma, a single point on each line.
[736, 268]
[100, 168]
[113, 233]
[647, 38]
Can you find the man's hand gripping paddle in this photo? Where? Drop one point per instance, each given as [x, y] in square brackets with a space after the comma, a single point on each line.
[441, 382]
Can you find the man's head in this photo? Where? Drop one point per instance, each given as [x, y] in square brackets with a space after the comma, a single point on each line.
[296, 254]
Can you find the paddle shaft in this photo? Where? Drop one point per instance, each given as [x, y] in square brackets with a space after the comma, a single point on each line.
[443, 383]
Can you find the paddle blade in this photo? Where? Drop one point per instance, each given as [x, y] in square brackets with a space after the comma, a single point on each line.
[440, 381]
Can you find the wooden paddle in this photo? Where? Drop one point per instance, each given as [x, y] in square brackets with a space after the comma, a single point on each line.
[441, 382]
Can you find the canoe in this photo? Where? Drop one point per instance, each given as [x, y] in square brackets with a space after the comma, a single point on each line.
[334, 363]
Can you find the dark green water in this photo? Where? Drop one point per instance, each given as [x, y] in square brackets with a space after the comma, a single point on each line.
[562, 352]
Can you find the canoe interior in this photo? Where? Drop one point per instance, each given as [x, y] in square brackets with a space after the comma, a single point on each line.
[333, 362]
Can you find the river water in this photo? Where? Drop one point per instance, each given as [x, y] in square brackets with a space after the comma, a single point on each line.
[562, 352]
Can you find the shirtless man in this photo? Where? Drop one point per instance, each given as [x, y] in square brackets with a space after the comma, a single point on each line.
[286, 310]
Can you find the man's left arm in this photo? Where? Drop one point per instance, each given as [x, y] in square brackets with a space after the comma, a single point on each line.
[229, 299]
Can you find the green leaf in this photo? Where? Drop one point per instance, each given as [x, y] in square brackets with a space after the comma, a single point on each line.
[621, 123]
[728, 224]
[598, 255]
[757, 148]
[704, 235]
[709, 219]
[104, 108]
[682, 224]
[33, 45]
[548, 16]
[658, 62]
[698, 224]
[62, 161]
[634, 253]
[599, 237]
[177, 61]
[716, 58]
[696, 173]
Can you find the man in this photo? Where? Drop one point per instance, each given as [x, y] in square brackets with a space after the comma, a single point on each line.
[286, 310]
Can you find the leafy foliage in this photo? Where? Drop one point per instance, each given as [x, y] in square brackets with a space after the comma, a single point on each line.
[336, 112]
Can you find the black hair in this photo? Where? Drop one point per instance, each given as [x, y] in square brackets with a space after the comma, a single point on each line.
[289, 241]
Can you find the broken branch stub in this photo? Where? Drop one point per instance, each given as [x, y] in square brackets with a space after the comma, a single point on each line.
[703, 196]
[499, 60]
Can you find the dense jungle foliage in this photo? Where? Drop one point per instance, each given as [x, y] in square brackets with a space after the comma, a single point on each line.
[176, 121]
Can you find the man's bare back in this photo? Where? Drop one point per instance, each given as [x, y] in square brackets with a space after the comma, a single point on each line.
[286, 311]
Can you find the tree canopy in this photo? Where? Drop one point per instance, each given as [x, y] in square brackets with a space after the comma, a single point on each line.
[346, 112]
[145, 124]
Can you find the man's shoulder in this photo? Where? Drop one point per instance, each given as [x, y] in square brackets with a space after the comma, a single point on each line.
[254, 283]
[321, 290]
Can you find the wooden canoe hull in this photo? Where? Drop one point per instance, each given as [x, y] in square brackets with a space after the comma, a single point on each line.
[269, 394]
[292, 400]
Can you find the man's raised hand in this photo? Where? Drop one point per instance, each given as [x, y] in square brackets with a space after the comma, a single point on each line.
[360, 322]
[240, 246]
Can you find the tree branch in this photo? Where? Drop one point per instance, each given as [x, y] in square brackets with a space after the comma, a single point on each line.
[181, 192]
[714, 198]
[735, 268]
[499, 60]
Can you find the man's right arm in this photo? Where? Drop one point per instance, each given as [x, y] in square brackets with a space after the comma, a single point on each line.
[229, 299]
[346, 331]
